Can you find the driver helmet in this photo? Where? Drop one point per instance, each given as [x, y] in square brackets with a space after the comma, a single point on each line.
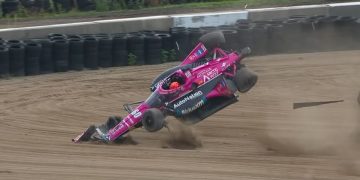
[174, 85]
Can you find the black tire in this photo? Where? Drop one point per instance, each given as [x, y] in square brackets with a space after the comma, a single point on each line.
[46, 61]
[213, 40]
[153, 47]
[91, 53]
[61, 55]
[4, 61]
[231, 39]
[105, 51]
[260, 39]
[245, 79]
[136, 46]
[17, 59]
[153, 120]
[244, 38]
[194, 35]
[14, 42]
[32, 58]
[76, 54]
[180, 42]
[120, 52]
[276, 39]
[166, 41]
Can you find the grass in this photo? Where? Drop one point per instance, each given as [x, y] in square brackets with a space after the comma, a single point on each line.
[102, 10]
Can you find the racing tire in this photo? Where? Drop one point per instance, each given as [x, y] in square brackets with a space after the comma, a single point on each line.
[245, 79]
[4, 61]
[32, 58]
[17, 60]
[46, 60]
[105, 57]
[76, 54]
[213, 40]
[153, 120]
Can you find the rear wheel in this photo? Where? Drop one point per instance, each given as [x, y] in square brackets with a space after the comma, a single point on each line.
[213, 40]
[245, 79]
[153, 120]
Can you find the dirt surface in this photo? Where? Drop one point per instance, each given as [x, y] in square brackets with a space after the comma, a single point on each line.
[260, 137]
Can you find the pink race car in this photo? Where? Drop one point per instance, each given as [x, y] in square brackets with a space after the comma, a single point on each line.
[192, 91]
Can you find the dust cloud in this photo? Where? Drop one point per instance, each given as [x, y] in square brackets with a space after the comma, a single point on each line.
[328, 130]
[181, 136]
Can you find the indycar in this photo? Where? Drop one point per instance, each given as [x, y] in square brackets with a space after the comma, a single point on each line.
[208, 78]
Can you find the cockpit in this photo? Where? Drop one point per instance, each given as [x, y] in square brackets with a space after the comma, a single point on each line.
[174, 81]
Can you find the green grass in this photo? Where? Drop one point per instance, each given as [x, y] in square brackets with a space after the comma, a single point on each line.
[103, 10]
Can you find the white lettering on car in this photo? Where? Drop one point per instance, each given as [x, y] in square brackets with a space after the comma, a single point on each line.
[187, 98]
[191, 109]
[136, 113]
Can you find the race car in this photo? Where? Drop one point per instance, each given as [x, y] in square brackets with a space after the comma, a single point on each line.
[204, 83]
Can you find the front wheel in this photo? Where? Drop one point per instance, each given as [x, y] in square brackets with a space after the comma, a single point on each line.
[245, 79]
[153, 120]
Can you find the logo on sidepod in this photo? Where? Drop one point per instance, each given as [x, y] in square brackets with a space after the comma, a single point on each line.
[187, 98]
[191, 109]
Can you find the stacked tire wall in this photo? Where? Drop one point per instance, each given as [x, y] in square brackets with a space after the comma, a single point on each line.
[64, 52]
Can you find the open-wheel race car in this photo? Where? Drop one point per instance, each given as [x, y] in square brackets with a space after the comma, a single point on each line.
[204, 83]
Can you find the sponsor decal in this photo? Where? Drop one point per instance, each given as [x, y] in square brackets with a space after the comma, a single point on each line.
[188, 98]
[198, 53]
[136, 113]
[208, 74]
[191, 109]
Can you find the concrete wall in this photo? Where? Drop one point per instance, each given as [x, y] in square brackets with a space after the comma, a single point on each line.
[209, 19]
[285, 12]
[104, 26]
[187, 20]
[345, 9]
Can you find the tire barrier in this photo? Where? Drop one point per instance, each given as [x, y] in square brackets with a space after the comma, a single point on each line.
[90, 52]
[245, 38]
[166, 41]
[46, 60]
[14, 42]
[60, 52]
[276, 39]
[105, 51]
[120, 53]
[181, 41]
[194, 35]
[16, 57]
[136, 46]
[76, 53]
[60, 55]
[32, 58]
[4, 61]
[231, 36]
[153, 47]
[260, 39]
